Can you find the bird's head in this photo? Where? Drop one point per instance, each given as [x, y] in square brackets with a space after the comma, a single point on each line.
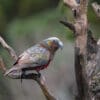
[53, 43]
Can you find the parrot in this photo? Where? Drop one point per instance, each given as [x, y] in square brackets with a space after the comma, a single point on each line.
[37, 57]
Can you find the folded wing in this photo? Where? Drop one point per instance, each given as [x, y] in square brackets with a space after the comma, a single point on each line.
[33, 57]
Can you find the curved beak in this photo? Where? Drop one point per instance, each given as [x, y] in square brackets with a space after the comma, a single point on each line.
[61, 44]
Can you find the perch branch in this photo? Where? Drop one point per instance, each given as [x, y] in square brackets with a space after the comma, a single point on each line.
[40, 80]
[8, 48]
[96, 8]
[45, 90]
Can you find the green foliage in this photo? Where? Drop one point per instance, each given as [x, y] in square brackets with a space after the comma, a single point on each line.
[45, 22]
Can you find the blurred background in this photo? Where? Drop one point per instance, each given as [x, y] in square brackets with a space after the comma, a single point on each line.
[26, 22]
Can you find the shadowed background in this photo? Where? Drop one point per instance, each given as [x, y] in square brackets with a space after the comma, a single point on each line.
[26, 22]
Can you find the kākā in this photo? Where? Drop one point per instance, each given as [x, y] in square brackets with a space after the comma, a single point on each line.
[38, 57]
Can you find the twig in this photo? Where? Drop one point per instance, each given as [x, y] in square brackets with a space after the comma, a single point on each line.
[8, 48]
[40, 80]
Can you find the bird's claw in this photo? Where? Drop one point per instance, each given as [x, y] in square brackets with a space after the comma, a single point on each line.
[22, 75]
[39, 74]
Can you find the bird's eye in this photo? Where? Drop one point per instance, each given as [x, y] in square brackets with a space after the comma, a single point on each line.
[54, 41]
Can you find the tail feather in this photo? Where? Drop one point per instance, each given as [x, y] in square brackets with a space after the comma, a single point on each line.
[10, 71]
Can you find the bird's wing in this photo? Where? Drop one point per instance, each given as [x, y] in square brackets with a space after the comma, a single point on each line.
[35, 56]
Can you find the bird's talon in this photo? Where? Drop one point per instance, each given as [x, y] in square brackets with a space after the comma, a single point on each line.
[39, 74]
[22, 75]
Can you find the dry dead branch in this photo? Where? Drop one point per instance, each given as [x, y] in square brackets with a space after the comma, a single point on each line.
[39, 79]
[8, 48]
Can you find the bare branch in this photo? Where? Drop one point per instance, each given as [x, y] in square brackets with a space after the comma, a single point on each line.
[40, 80]
[68, 24]
[96, 8]
[8, 48]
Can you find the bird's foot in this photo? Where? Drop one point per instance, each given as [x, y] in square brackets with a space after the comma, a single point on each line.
[22, 75]
[39, 74]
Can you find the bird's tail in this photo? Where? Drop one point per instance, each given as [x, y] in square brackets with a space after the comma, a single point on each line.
[11, 71]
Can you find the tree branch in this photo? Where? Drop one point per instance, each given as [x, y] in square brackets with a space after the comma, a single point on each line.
[68, 24]
[40, 80]
[8, 48]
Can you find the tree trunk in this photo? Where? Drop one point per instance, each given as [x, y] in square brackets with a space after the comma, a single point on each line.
[87, 53]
